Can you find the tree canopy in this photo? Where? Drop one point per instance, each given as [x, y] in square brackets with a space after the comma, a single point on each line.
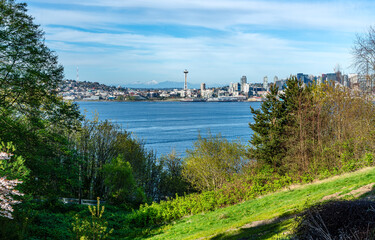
[310, 128]
[213, 161]
[32, 116]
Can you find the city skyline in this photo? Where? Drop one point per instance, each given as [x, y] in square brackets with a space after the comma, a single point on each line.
[123, 42]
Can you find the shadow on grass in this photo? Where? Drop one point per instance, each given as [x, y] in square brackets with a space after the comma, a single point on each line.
[142, 233]
[368, 195]
[276, 228]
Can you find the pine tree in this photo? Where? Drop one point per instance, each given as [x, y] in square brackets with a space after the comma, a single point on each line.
[274, 122]
[269, 126]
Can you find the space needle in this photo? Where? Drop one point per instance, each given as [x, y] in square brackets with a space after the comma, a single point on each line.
[186, 72]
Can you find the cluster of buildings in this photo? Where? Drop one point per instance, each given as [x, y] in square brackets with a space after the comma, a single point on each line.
[89, 91]
[238, 91]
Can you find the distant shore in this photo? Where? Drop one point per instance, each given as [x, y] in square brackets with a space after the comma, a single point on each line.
[155, 100]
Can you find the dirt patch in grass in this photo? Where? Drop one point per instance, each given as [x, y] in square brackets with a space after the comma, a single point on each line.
[355, 193]
[267, 221]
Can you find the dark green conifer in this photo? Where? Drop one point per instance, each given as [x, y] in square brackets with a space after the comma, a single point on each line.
[269, 126]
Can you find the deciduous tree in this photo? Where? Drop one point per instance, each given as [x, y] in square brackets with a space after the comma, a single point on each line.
[32, 116]
[364, 56]
[213, 161]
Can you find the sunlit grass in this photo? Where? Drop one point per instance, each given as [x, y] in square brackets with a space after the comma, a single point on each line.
[234, 222]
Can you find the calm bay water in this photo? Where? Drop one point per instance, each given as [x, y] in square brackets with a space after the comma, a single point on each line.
[175, 125]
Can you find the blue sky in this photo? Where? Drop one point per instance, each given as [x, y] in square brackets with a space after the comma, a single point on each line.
[218, 41]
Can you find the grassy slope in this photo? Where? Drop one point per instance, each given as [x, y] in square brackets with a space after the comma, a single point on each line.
[234, 222]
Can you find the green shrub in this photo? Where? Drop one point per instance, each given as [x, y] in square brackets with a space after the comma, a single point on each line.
[120, 181]
[244, 187]
[94, 228]
[369, 159]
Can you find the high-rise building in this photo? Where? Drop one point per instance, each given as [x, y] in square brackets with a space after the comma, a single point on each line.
[234, 87]
[304, 78]
[245, 88]
[265, 83]
[203, 87]
[243, 82]
[275, 79]
[324, 78]
[281, 84]
[331, 77]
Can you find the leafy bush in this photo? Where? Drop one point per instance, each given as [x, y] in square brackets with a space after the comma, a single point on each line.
[53, 220]
[213, 161]
[121, 184]
[245, 187]
[172, 181]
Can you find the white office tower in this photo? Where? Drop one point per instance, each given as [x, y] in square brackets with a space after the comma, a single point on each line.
[243, 82]
[231, 87]
[246, 88]
[265, 83]
[275, 79]
[185, 86]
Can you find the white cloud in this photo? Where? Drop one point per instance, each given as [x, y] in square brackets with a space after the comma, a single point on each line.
[216, 60]
[93, 36]
[338, 15]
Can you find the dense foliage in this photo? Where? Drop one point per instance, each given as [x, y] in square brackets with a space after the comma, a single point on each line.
[31, 114]
[314, 129]
[113, 165]
[243, 188]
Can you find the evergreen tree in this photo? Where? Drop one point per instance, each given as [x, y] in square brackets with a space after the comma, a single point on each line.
[267, 144]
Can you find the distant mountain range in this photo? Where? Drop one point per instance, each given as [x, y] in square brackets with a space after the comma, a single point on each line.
[160, 85]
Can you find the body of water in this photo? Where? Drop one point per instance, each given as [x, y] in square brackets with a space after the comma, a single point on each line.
[175, 125]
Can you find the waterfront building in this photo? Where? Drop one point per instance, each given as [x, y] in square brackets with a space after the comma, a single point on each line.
[222, 93]
[208, 93]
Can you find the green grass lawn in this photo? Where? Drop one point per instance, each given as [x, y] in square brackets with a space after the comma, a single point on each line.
[234, 222]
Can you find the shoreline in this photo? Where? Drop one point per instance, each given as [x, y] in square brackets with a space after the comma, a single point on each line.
[157, 100]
